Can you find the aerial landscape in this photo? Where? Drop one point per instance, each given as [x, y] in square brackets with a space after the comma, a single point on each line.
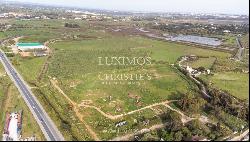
[86, 71]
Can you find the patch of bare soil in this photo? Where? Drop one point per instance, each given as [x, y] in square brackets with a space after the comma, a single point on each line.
[25, 54]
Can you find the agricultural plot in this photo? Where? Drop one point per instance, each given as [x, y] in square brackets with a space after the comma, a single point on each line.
[230, 75]
[2, 35]
[229, 40]
[41, 30]
[30, 67]
[81, 105]
[170, 52]
[233, 82]
[207, 63]
[80, 81]
[107, 129]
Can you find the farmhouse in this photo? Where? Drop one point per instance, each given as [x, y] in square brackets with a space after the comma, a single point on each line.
[30, 46]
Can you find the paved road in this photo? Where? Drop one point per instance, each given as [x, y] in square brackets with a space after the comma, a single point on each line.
[48, 128]
[241, 49]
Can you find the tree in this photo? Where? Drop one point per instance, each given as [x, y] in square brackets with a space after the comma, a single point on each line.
[175, 121]
[191, 104]
[218, 126]
[15, 62]
[196, 127]
[71, 25]
[149, 137]
[186, 133]
[168, 136]
[231, 105]
[201, 69]
[178, 136]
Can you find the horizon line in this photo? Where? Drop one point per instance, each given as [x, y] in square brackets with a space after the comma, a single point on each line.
[131, 11]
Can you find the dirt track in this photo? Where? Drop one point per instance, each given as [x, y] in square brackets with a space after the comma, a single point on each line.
[184, 118]
[241, 136]
[76, 110]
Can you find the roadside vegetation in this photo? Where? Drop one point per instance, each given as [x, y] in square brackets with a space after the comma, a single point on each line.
[11, 101]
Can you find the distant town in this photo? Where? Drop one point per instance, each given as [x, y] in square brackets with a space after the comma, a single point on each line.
[78, 74]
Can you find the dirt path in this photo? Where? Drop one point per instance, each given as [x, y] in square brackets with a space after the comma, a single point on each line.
[200, 85]
[142, 131]
[54, 83]
[46, 63]
[89, 129]
[241, 136]
[113, 117]
[17, 39]
[76, 110]
[184, 118]
[44, 69]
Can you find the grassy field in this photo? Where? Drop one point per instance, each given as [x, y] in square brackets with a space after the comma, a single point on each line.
[29, 67]
[44, 30]
[203, 62]
[245, 41]
[83, 76]
[2, 35]
[230, 40]
[11, 101]
[61, 113]
[233, 82]
[106, 127]
[170, 52]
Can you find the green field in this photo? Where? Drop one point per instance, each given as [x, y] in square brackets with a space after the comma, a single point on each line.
[73, 65]
[170, 52]
[79, 81]
[29, 67]
[2, 35]
[207, 63]
[235, 83]
[230, 40]
[86, 71]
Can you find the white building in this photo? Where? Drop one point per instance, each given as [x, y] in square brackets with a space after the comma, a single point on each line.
[30, 46]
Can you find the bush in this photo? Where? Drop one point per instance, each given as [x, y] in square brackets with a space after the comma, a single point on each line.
[71, 25]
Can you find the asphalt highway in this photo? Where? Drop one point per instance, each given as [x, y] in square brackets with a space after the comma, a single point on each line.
[47, 126]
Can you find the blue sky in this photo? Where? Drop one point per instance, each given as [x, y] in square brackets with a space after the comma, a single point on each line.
[198, 6]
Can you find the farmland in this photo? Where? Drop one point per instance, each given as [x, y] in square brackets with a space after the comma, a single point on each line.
[2, 36]
[231, 82]
[30, 67]
[82, 106]
[203, 62]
